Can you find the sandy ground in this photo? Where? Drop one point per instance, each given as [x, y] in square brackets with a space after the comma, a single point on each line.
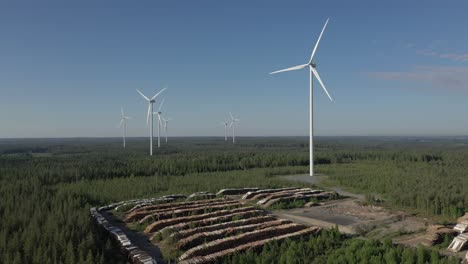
[351, 216]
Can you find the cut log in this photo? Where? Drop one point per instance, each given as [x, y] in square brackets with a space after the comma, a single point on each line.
[234, 241]
[199, 238]
[254, 220]
[158, 225]
[251, 195]
[211, 258]
[191, 210]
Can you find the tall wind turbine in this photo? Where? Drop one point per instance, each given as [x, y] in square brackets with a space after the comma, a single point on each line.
[312, 72]
[159, 122]
[233, 123]
[123, 122]
[166, 121]
[226, 124]
[150, 113]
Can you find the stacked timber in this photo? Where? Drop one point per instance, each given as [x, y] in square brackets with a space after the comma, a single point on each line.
[199, 209]
[253, 220]
[461, 227]
[241, 239]
[203, 237]
[251, 195]
[238, 191]
[458, 243]
[210, 258]
[138, 213]
[304, 191]
[201, 195]
[301, 197]
[210, 221]
[158, 225]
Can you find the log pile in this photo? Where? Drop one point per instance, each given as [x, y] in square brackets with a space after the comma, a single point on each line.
[251, 195]
[199, 238]
[201, 195]
[301, 197]
[245, 238]
[136, 214]
[236, 191]
[209, 221]
[303, 191]
[253, 220]
[253, 245]
[158, 225]
[191, 210]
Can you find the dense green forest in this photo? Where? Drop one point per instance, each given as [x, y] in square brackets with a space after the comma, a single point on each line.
[47, 186]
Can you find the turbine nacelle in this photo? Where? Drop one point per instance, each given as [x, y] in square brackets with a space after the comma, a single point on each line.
[311, 64]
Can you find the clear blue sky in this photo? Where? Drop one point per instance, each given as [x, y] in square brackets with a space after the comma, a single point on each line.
[394, 68]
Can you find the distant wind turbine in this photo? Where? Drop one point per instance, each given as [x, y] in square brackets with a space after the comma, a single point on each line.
[150, 113]
[233, 124]
[226, 124]
[166, 121]
[312, 72]
[159, 122]
[123, 122]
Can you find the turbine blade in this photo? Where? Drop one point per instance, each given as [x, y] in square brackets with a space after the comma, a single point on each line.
[148, 115]
[121, 110]
[318, 41]
[160, 106]
[158, 93]
[146, 98]
[291, 68]
[232, 117]
[121, 122]
[315, 72]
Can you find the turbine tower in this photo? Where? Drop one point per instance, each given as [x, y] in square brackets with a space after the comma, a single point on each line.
[159, 122]
[123, 122]
[226, 124]
[233, 122]
[312, 72]
[150, 113]
[166, 121]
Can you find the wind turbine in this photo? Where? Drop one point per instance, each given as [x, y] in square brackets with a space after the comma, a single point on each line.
[159, 123]
[150, 112]
[166, 121]
[226, 124]
[233, 122]
[312, 72]
[123, 122]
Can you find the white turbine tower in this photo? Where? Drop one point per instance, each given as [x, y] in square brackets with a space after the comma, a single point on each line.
[166, 121]
[233, 122]
[312, 72]
[123, 122]
[226, 124]
[159, 122]
[150, 113]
